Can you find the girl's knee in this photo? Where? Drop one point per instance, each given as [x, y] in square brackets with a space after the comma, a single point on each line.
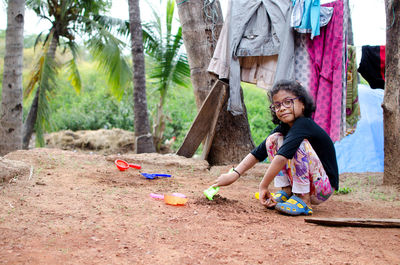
[274, 140]
[322, 193]
[320, 198]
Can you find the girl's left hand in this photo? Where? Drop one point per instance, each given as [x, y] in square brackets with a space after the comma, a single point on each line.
[266, 198]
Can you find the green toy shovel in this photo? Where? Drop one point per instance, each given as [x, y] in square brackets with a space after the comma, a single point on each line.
[210, 192]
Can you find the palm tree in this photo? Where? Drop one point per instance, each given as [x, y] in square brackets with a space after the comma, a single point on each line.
[144, 139]
[169, 66]
[11, 103]
[71, 19]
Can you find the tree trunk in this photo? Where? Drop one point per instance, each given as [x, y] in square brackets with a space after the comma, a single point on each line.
[159, 124]
[232, 140]
[143, 138]
[11, 104]
[32, 115]
[391, 100]
[30, 121]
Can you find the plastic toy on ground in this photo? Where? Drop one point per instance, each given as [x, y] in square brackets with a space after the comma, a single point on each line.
[210, 192]
[161, 196]
[157, 196]
[175, 199]
[279, 196]
[155, 175]
[123, 165]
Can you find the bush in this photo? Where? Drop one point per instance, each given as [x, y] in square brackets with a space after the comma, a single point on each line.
[258, 113]
[93, 108]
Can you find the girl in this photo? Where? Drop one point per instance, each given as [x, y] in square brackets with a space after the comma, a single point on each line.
[302, 155]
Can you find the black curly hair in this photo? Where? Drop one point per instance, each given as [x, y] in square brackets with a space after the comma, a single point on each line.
[296, 89]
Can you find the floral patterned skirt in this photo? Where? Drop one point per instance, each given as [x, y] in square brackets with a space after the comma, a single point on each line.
[304, 172]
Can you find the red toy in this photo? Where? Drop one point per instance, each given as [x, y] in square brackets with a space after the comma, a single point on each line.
[123, 165]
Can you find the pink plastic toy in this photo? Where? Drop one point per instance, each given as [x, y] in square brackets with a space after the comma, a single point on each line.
[157, 196]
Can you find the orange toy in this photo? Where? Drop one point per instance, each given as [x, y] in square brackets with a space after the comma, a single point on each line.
[175, 199]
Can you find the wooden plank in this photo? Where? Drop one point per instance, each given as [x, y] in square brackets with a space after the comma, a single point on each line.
[357, 222]
[201, 125]
[223, 97]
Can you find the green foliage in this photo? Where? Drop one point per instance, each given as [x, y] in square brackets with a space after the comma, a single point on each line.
[344, 190]
[93, 108]
[258, 112]
[69, 19]
[180, 111]
[169, 67]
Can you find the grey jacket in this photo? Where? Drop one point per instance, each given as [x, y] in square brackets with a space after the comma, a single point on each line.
[259, 28]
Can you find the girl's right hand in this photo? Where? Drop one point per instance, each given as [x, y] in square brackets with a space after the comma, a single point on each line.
[226, 179]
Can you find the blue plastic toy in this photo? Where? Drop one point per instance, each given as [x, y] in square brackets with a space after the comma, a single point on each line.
[154, 175]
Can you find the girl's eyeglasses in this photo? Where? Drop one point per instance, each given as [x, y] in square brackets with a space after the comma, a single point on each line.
[287, 103]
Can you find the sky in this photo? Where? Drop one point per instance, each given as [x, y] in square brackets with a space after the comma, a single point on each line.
[368, 18]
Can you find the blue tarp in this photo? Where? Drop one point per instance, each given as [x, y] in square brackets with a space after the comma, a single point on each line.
[362, 151]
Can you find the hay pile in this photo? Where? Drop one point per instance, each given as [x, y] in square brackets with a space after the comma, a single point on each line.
[102, 141]
[10, 169]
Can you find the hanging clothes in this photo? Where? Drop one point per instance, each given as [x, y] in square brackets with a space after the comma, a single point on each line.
[302, 65]
[298, 15]
[326, 87]
[310, 10]
[343, 123]
[372, 65]
[258, 70]
[319, 63]
[352, 103]
[256, 28]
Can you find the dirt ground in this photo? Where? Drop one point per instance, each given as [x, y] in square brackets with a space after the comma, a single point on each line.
[70, 207]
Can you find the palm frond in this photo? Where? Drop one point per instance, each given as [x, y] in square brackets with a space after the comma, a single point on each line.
[110, 23]
[37, 40]
[73, 75]
[169, 16]
[156, 22]
[73, 48]
[45, 86]
[151, 41]
[108, 55]
[34, 76]
[182, 72]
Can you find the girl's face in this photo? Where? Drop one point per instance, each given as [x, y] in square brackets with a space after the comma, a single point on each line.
[287, 107]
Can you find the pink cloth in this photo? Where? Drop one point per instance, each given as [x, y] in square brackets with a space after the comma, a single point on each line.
[326, 86]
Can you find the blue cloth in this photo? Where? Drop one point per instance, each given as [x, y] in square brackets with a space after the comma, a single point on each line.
[362, 151]
[311, 14]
